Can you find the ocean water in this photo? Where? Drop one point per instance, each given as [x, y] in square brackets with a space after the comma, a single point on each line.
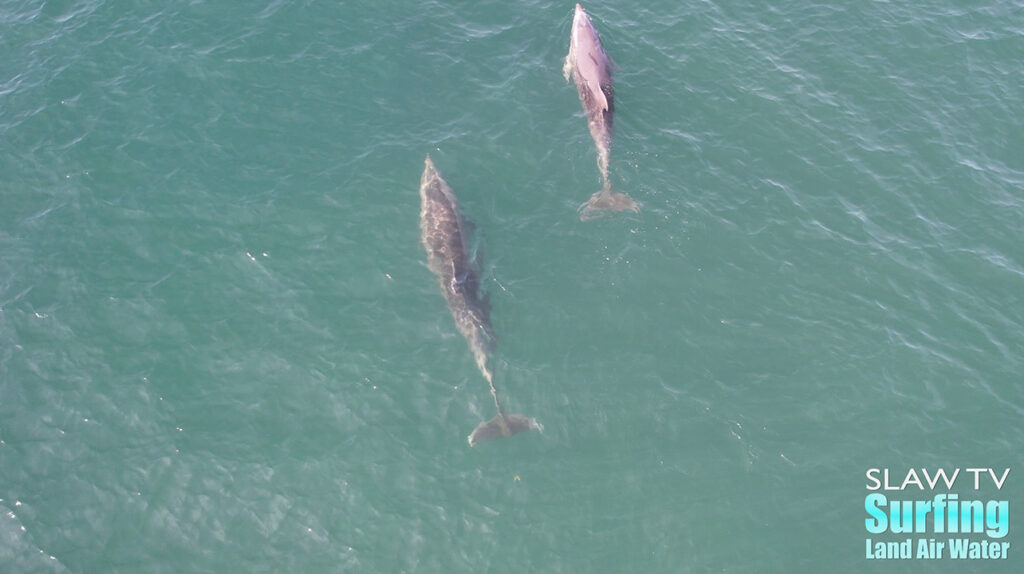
[221, 349]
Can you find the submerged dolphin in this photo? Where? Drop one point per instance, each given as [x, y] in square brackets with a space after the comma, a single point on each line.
[591, 71]
[449, 256]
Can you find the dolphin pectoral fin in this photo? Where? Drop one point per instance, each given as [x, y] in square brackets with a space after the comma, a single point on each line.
[607, 201]
[503, 426]
[603, 99]
[567, 66]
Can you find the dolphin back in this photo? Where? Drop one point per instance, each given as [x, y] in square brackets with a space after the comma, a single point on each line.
[445, 236]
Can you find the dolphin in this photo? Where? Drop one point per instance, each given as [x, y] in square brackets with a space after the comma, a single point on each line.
[591, 71]
[445, 236]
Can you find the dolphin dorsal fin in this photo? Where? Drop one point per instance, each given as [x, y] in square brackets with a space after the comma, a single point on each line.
[595, 87]
[459, 279]
[456, 285]
[599, 95]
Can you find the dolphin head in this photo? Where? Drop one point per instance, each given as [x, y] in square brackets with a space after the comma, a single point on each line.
[580, 21]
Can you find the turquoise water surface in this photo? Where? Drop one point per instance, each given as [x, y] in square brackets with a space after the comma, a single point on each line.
[221, 349]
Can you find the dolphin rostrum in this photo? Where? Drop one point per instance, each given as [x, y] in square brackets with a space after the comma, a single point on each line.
[591, 71]
[449, 256]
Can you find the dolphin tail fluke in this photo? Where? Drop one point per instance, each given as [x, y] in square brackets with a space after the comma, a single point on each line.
[502, 426]
[607, 201]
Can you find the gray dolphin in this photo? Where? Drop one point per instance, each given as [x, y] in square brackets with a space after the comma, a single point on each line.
[449, 256]
[591, 71]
